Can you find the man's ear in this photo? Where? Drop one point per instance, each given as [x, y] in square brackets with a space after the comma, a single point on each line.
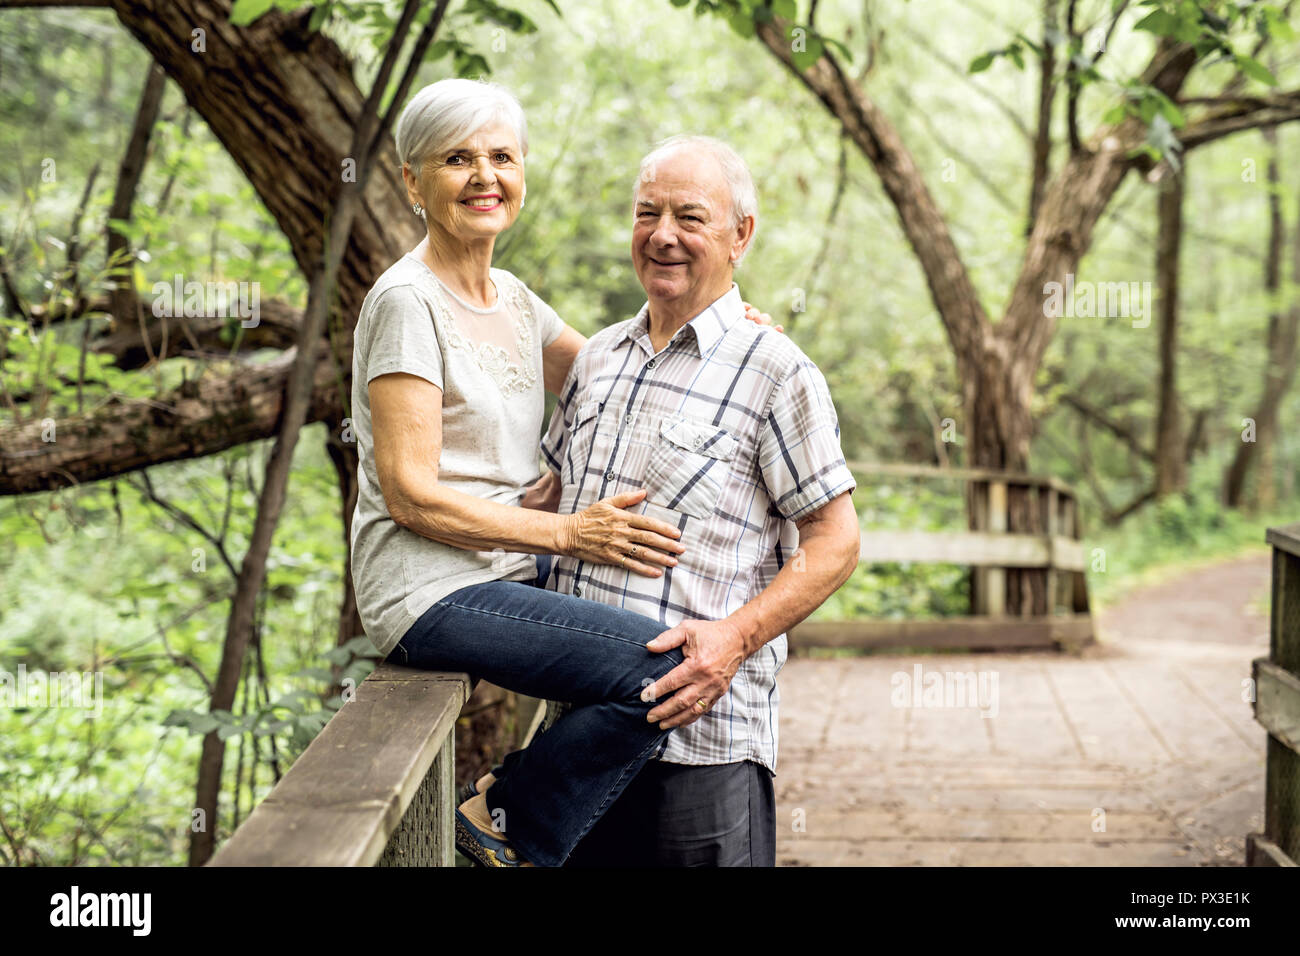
[743, 237]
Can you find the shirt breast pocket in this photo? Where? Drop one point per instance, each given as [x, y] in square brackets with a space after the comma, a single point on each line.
[582, 434]
[689, 465]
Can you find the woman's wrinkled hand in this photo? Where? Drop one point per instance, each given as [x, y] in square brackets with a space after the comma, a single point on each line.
[759, 318]
[606, 533]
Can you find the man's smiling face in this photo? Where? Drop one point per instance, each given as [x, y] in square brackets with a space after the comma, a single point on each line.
[684, 235]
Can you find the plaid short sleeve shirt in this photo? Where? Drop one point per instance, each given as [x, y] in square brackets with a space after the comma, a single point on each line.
[732, 431]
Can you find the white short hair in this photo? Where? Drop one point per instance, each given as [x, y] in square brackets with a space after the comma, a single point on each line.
[744, 197]
[444, 113]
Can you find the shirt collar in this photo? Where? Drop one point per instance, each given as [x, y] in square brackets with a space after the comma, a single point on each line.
[705, 328]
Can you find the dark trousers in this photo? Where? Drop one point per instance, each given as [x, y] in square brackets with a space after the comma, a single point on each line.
[680, 815]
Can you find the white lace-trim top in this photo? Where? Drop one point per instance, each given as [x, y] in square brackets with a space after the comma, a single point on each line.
[485, 332]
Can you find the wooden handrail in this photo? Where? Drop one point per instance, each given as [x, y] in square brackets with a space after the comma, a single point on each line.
[990, 550]
[376, 786]
[904, 470]
[974, 548]
[1285, 538]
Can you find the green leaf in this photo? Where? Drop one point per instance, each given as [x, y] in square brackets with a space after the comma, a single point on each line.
[785, 9]
[982, 62]
[1158, 22]
[742, 22]
[493, 12]
[1255, 70]
[811, 53]
[1170, 111]
[1115, 114]
[245, 12]
[840, 48]
[1278, 28]
[203, 724]
[320, 15]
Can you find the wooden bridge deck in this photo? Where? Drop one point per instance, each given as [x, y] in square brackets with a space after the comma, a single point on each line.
[1149, 727]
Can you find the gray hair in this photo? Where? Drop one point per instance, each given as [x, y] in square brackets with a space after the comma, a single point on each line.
[744, 197]
[444, 113]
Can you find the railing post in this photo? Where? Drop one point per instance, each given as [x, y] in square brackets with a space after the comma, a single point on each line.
[991, 592]
[1053, 525]
[1277, 707]
[426, 835]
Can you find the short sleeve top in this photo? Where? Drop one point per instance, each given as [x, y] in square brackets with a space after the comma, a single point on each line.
[488, 363]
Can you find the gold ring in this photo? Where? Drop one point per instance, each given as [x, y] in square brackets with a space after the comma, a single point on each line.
[700, 704]
[623, 561]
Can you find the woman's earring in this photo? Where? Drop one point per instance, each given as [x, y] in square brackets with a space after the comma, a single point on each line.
[417, 209]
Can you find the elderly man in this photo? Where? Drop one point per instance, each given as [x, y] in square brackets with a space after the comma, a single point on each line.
[731, 430]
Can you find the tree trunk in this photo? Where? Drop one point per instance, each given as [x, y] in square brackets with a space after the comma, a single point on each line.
[1170, 471]
[1283, 331]
[125, 301]
[343, 453]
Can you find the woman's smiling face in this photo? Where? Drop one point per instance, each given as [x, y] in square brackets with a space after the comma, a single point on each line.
[472, 190]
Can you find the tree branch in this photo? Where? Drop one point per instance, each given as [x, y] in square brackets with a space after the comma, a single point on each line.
[128, 181]
[1094, 414]
[1042, 148]
[218, 411]
[1240, 113]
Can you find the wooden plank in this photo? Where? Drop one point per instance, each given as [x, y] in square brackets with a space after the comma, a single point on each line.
[975, 548]
[1053, 531]
[979, 521]
[1261, 851]
[343, 798]
[996, 592]
[902, 470]
[1286, 538]
[1277, 701]
[1046, 631]
[427, 834]
[1284, 621]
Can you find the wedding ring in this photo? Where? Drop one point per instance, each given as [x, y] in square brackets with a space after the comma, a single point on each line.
[700, 704]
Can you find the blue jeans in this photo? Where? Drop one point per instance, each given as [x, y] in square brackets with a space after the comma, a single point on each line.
[557, 647]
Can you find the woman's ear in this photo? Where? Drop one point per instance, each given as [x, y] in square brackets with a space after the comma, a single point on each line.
[412, 185]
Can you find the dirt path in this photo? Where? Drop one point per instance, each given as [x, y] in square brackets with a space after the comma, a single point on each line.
[1143, 751]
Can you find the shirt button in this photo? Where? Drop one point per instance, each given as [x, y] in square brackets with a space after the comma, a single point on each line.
[698, 442]
[628, 420]
[609, 476]
[650, 364]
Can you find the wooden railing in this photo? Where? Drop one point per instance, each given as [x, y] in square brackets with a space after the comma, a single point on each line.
[375, 788]
[990, 551]
[1277, 708]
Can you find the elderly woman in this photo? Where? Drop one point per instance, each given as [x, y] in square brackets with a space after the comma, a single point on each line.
[450, 360]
